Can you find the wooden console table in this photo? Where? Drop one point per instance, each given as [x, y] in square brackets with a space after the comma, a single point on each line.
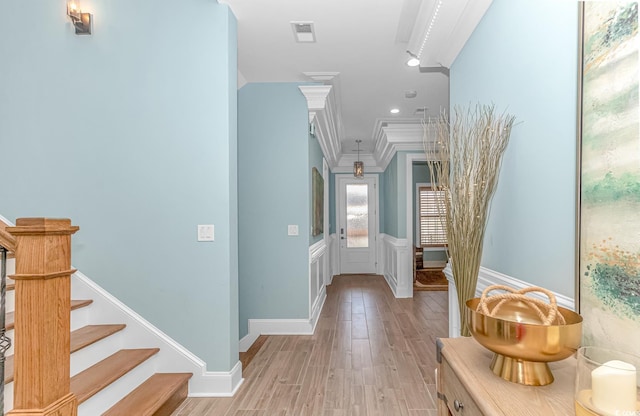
[467, 386]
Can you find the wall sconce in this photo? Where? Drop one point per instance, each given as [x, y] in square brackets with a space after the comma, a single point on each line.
[81, 21]
[358, 165]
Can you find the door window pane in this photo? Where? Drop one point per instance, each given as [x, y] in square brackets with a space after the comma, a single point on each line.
[357, 215]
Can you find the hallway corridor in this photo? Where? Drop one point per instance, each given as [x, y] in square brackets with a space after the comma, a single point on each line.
[371, 354]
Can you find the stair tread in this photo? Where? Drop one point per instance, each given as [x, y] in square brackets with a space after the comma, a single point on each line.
[89, 334]
[95, 378]
[9, 320]
[80, 338]
[151, 395]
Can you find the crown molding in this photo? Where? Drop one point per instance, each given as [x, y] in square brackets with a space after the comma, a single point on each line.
[390, 138]
[316, 96]
[322, 113]
[442, 47]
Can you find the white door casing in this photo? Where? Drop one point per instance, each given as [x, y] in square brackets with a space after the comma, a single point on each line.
[357, 218]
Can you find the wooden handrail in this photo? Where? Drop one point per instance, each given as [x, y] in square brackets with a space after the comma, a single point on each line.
[42, 317]
[6, 240]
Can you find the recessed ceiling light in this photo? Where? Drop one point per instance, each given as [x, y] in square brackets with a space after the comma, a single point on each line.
[394, 110]
[413, 61]
[411, 94]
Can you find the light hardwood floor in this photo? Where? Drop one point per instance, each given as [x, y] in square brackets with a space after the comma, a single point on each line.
[371, 354]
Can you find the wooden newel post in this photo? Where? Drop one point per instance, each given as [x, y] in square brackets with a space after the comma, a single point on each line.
[42, 318]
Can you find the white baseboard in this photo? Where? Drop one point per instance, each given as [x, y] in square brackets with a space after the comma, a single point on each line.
[259, 327]
[247, 341]
[281, 326]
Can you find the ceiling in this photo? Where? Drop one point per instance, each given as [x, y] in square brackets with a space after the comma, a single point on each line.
[361, 52]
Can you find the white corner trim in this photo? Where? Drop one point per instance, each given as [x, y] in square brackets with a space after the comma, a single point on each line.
[247, 341]
[220, 383]
[259, 327]
[317, 308]
[392, 284]
[173, 357]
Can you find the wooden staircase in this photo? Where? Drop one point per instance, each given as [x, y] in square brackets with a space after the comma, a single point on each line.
[159, 395]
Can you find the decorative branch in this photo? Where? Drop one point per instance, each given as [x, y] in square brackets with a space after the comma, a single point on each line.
[464, 161]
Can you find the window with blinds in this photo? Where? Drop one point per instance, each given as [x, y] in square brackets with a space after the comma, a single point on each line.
[432, 229]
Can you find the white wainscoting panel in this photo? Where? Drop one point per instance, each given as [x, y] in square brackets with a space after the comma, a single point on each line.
[318, 269]
[397, 265]
[486, 278]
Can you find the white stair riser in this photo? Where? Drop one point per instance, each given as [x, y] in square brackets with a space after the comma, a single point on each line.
[82, 316]
[90, 355]
[106, 398]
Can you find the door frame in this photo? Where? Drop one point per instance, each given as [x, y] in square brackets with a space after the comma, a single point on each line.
[376, 225]
[411, 157]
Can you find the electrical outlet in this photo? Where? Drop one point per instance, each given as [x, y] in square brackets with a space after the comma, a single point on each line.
[293, 229]
[206, 232]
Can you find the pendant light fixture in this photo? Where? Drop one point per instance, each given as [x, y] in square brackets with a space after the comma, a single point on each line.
[358, 166]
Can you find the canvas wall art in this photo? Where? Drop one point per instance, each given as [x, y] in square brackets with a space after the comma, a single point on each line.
[609, 176]
[317, 203]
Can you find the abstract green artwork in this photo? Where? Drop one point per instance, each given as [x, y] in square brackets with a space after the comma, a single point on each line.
[609, 176]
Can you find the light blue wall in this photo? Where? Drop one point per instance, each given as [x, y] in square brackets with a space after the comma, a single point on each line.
[315, 161]
[390, 198]
[273, 191]
[394, 196]
[130, 132]
[523, 57]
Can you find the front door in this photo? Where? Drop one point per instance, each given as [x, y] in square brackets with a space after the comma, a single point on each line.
[357, 219]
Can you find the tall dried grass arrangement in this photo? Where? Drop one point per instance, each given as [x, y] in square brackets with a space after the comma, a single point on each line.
[464, 161]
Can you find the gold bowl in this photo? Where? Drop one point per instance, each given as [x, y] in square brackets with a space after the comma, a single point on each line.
[522, 344]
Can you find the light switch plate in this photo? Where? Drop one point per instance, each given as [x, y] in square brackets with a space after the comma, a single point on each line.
[206, 232]
[293, 229]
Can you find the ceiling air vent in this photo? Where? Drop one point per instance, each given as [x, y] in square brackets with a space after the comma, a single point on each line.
[421, 111]
[303, 31]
